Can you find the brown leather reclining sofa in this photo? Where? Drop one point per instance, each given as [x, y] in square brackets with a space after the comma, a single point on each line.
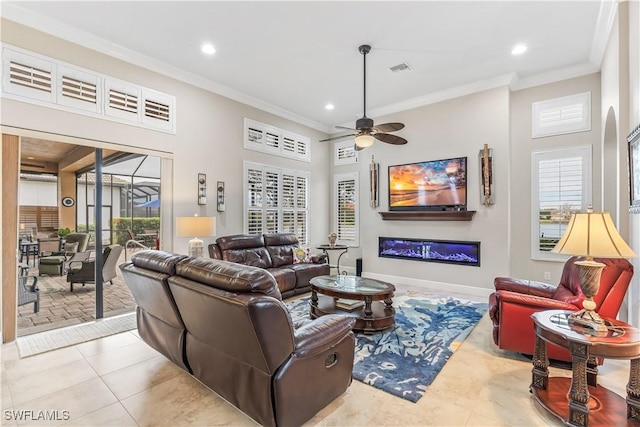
[225, 324]
[273, 252]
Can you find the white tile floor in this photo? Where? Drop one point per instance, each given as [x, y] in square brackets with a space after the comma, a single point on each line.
[120, 381]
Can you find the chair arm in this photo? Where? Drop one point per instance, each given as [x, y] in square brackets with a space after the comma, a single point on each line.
[34, 287]
[533, 301]
[84, 264]
[320, 258]
[527, 287]
[321, 334]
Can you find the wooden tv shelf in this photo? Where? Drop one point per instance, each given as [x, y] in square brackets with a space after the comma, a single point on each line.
[428, 215]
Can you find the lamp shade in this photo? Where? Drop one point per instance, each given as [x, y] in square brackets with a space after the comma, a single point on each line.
[593, 234]
[195, 226]
[365, 140]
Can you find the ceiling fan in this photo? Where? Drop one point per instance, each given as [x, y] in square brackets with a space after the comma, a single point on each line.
[367, 132]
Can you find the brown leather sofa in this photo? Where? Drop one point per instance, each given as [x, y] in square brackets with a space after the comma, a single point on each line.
[273, 252]
[225, 323]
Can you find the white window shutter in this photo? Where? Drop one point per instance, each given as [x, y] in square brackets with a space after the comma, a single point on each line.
[158, 109]
[278, 142]
[346, 210]
[27, 76]
[344, 153]
[79, 89]
[563, 115]
[122, 100]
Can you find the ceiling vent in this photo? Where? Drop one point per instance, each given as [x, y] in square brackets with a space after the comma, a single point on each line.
[400, 67]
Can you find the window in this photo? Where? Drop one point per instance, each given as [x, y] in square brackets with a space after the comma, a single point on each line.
[276, 200]
[560, 185]
[561, 115]
[278, 142]
[344, 153]
[346, 211]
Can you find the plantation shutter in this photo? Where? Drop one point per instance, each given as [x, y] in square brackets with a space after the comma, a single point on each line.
[562, 179]
[275, 201]
[346, 216]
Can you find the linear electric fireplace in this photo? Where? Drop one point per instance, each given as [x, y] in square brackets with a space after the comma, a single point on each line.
[446, 251]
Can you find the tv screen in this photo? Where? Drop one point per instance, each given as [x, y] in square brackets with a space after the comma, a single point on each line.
[432, 185]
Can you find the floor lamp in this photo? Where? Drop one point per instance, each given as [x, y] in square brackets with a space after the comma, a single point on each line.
[196, 227]
[591, 234]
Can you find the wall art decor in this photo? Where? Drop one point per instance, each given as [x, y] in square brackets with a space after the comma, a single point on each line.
[634, 170]
[202, 189]
[373, 184]
[487, 197]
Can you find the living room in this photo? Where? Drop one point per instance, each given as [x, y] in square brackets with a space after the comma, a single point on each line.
[210, 132]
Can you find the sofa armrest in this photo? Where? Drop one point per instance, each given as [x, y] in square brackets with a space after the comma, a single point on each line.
[533, 301]
[324, 332]
[526, 287]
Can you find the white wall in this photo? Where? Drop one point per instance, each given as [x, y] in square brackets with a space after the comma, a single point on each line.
[453, 128]
[522, 145]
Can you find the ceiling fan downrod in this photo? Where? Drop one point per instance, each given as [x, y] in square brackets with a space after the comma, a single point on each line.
[364, 122]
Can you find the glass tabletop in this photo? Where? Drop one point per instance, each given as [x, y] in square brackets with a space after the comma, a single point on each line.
[352, 284]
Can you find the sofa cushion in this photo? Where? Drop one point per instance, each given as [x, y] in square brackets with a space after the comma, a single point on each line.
[306, 272]
[281, 255]
[255, 257]
[240, 241]
[229, 276]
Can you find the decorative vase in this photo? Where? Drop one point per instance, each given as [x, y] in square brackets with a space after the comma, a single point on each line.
[332, 239]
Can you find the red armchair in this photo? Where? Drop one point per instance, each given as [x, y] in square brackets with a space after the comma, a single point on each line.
[515, 300]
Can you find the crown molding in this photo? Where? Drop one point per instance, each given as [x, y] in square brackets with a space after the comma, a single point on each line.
[604, 25]
[555, 76]
[63, 31]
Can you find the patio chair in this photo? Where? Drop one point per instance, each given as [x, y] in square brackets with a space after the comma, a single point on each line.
[84, 271]
[29, 293]
[74, 249]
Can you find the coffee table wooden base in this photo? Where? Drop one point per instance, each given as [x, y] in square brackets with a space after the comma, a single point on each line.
[382, 316]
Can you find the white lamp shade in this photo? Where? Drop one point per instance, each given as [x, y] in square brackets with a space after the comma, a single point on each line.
[365, 140]
[195, 226]
[593, 234]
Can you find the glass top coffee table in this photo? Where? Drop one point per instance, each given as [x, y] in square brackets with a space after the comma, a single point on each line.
[369, 301]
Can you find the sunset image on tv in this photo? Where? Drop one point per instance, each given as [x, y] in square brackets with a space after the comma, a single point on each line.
[438, 183]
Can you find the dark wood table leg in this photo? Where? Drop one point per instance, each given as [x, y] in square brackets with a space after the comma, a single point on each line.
[314, 298]
[633, 391]
[579, 393]
[540, 371]
[592, 371]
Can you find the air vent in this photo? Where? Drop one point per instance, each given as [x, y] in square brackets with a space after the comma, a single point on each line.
[400, 67]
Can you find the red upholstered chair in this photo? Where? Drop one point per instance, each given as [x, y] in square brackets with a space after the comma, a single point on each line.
[515, 300]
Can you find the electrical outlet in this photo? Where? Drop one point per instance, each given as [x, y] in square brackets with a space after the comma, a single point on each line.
[547, 275]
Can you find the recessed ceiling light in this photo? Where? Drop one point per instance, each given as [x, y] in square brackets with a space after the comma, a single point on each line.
[329, 107]
[518, 49]
[208, 49]
[30, 158]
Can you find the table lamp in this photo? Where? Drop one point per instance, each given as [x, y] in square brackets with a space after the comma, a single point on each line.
[196, 227]
[591, 234]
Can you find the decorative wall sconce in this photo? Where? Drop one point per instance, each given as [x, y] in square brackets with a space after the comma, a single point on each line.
[487, 196]
[373, 184]
[202, 189]
[220, 200]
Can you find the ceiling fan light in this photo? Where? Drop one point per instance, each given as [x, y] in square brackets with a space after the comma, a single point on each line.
[364, 140]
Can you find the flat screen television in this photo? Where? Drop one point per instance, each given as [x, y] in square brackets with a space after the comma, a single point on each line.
[436, 185]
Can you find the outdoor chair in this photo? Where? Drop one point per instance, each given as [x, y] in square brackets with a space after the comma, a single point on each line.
[74, 249]
[29, 293]
[84, 271]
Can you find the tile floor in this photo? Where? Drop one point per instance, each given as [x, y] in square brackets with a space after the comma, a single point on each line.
[120, 381]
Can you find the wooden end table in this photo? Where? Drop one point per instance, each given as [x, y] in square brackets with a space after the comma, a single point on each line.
[325, 248]
[376, 314]
[586, 401]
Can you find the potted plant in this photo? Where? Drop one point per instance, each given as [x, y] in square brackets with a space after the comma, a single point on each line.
[64, 232]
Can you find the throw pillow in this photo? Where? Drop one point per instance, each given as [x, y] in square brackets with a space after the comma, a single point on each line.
[71, 247]
[301, 255]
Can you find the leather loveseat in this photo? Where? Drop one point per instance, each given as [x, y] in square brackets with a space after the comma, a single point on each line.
[225, 324]
[273, 252]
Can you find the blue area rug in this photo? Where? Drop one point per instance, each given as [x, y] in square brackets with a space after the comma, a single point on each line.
[404, 360]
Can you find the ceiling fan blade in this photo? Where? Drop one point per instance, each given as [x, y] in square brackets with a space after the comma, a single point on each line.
[337, 137]
[344, 127]
[388, 127]
[389, 139]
